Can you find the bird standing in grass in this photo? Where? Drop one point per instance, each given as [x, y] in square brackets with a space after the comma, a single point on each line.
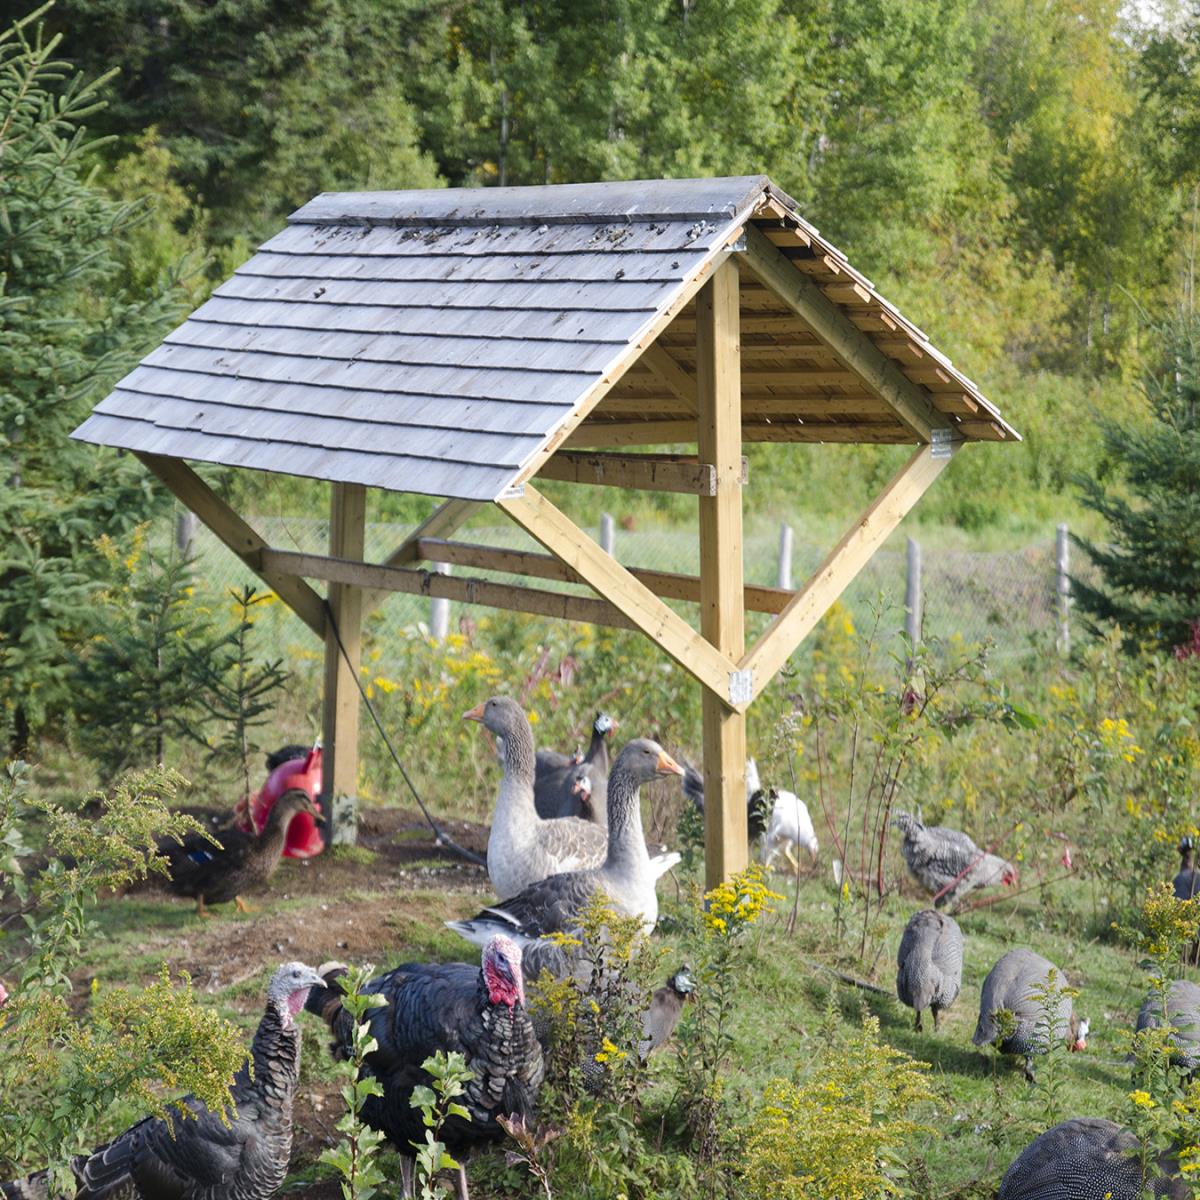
[947, 863]
[1187, 881]
[239, 1155]
[929, 974]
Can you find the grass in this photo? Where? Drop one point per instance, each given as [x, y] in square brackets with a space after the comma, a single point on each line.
[787, 985]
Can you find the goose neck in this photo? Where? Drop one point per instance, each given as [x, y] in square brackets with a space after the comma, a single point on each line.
[519, 757]
[625, 838]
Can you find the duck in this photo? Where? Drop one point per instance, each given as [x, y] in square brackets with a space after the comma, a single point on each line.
[214, 872]
[929, 964]
[946, 862]
[1011, 985]
[555, 775]
[626, 877]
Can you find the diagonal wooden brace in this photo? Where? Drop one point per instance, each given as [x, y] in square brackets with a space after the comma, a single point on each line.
[780, 639]
[600, 571]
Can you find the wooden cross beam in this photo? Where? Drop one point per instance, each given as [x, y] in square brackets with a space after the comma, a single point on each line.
[645, 472]
[237, 535]
[780, 639]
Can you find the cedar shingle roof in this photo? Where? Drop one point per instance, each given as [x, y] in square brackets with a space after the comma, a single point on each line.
[438, 341]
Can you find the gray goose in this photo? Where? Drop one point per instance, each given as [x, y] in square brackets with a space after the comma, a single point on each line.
[1010, 984]
[929, 974]
[556, 791]
[1183, 1011]
[522, 847]
[947, 863]
[1082, 1158]
[243, 1157]
[627, 876]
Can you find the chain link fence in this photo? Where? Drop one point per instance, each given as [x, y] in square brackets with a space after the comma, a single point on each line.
[1013, 597]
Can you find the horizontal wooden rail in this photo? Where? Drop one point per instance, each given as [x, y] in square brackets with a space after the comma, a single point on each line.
[665, 584]
[646, 472]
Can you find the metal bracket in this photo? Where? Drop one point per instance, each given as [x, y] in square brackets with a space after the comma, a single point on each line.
[513, 492]
[939, 443]
[738, 244]
[741, 686]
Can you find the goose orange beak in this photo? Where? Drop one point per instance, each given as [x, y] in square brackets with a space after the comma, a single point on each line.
[474, 714]
[667, 765]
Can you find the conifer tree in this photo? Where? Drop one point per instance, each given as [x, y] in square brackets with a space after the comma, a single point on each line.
[1150, 561]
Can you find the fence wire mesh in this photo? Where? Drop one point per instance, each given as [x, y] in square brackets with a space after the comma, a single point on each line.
[1008, 596]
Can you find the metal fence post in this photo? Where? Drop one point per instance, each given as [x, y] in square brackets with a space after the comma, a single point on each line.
[439, 610]
[185, 532]
[912, 593]
[1062, 557]
[784, 579]
[607, 532]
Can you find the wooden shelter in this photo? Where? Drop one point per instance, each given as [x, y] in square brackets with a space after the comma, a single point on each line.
[466, 344]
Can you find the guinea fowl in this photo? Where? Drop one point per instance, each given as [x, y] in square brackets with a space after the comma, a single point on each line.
[946, 863]
[1083, 1158]
[216, 873]
[478, 1012]
[627, 876]
[1011, 984]
[929, 974]
[666, 1007]
[555, 775]
[239, 1155]
[1187, 882]
[1183, 1011]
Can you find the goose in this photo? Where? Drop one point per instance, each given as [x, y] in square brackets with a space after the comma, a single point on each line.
[555, 774]
[1086, 1157]
[929, 964]
[626, 877]
[1010, 985]
[947, 863]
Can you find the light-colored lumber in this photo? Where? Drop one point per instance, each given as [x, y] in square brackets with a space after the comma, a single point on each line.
[657, 432]
[193, 492]
[568, 543]
[647, 472]
[661, 364]
[343, 656]
[462, 589]
[443, 522]
[722, 617]
[848, 557]
[829, 322]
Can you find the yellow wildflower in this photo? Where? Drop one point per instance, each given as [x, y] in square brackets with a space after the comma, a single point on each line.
[1141, 1099]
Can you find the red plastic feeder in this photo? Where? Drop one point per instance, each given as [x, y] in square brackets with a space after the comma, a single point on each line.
[304, 838]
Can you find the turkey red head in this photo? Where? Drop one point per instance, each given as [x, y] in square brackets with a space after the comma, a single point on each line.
[502, 972]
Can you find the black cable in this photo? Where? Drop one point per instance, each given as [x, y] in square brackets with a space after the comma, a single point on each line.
[441, 838]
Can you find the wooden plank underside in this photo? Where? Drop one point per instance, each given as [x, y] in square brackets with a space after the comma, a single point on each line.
[666, 584]
[780, 639]
[828, 320]
[568, 543]
[664, 367]
[660, 433]
[193, 492]
[646, 472]
[511, 597]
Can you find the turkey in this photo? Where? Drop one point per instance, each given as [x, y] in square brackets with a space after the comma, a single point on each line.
[627, 876]
[241, 1157]
[478, 1012]
[555, 775]
[946, 863]
[1187, 882]
[1183, 1009]
[929, 963]
[216, 873]
[789, 827]
[1083, 1158]
[1011, 985]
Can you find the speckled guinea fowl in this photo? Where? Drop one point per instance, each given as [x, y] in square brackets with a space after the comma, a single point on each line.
[1187, 882]
[946, 862]
[478, 1012]
[1082, 1159]
[1183, 1011]
[554, 788]
[1010, 984]
[207, 1158]
[929, 962]
[214, 874]
[627, 876]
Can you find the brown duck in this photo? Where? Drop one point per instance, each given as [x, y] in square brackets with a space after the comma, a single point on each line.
[214, 873]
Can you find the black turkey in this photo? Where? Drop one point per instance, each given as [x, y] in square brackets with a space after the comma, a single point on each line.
[929, 964]
[207, 1158]
[478, 1012]
[1084, 1158]
[555, 776]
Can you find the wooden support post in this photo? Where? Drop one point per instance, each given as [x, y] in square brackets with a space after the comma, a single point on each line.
[347, 534]
[439, 610]
[722, 623]
[913, 594]
[1062, 559]
[608, 535]
[786, 539]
